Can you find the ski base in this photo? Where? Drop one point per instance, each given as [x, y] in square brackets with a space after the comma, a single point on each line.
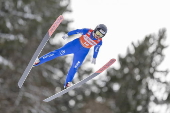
[39, 49]
[108, 64]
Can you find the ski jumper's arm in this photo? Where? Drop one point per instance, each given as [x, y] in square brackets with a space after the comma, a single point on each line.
[96, 49]
[78, 31]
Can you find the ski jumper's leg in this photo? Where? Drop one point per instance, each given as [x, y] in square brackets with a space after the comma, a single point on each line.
[78, 59]
[66, 49]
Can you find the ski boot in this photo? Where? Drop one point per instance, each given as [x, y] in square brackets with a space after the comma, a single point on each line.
[69, 84]
[37, 61]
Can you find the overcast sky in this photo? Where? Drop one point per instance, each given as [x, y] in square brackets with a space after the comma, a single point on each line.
[127, 21]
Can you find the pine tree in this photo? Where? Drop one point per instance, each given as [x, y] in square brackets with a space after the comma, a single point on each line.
[23, 25]
[131, 88]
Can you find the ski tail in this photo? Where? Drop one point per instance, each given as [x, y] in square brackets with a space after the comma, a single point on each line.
[39, 49]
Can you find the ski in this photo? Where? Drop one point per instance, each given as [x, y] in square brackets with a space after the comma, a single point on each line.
[39, 49]
[108, 64]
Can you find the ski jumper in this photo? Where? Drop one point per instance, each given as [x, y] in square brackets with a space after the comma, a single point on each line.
[79, 47]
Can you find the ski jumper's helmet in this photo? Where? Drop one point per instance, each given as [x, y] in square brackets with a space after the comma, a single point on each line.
[101, 28]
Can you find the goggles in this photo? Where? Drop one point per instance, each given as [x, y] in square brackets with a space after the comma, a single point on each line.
[99, 34]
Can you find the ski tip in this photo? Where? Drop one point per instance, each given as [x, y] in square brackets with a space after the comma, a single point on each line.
[113, 59]
[55, 25]
[107, 65]
[61, 16]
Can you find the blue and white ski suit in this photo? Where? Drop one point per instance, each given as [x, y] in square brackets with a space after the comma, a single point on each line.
[79, 47]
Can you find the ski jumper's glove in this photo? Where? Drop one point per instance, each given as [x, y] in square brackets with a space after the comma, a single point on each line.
[65, 36]
[93, 61]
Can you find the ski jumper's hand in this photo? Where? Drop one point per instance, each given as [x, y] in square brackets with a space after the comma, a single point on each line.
[93, 61]
[65, 36]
